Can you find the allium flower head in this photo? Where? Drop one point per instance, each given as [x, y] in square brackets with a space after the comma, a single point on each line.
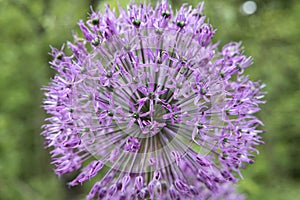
[148, 95]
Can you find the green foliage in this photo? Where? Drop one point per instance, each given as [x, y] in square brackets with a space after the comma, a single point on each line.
[271, 36]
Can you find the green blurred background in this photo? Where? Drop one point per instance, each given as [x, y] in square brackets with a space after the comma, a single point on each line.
[27, 27]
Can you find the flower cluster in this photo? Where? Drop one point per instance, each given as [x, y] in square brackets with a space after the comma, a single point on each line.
[148, 95]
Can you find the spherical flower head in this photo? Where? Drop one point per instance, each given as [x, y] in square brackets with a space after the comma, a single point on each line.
[148, 95]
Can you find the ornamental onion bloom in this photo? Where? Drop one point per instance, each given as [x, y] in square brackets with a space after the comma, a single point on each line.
[151, 107]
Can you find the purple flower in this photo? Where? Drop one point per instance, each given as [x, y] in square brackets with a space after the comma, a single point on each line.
[147, 94]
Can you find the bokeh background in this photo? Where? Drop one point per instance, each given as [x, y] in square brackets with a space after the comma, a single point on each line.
[269, 29]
